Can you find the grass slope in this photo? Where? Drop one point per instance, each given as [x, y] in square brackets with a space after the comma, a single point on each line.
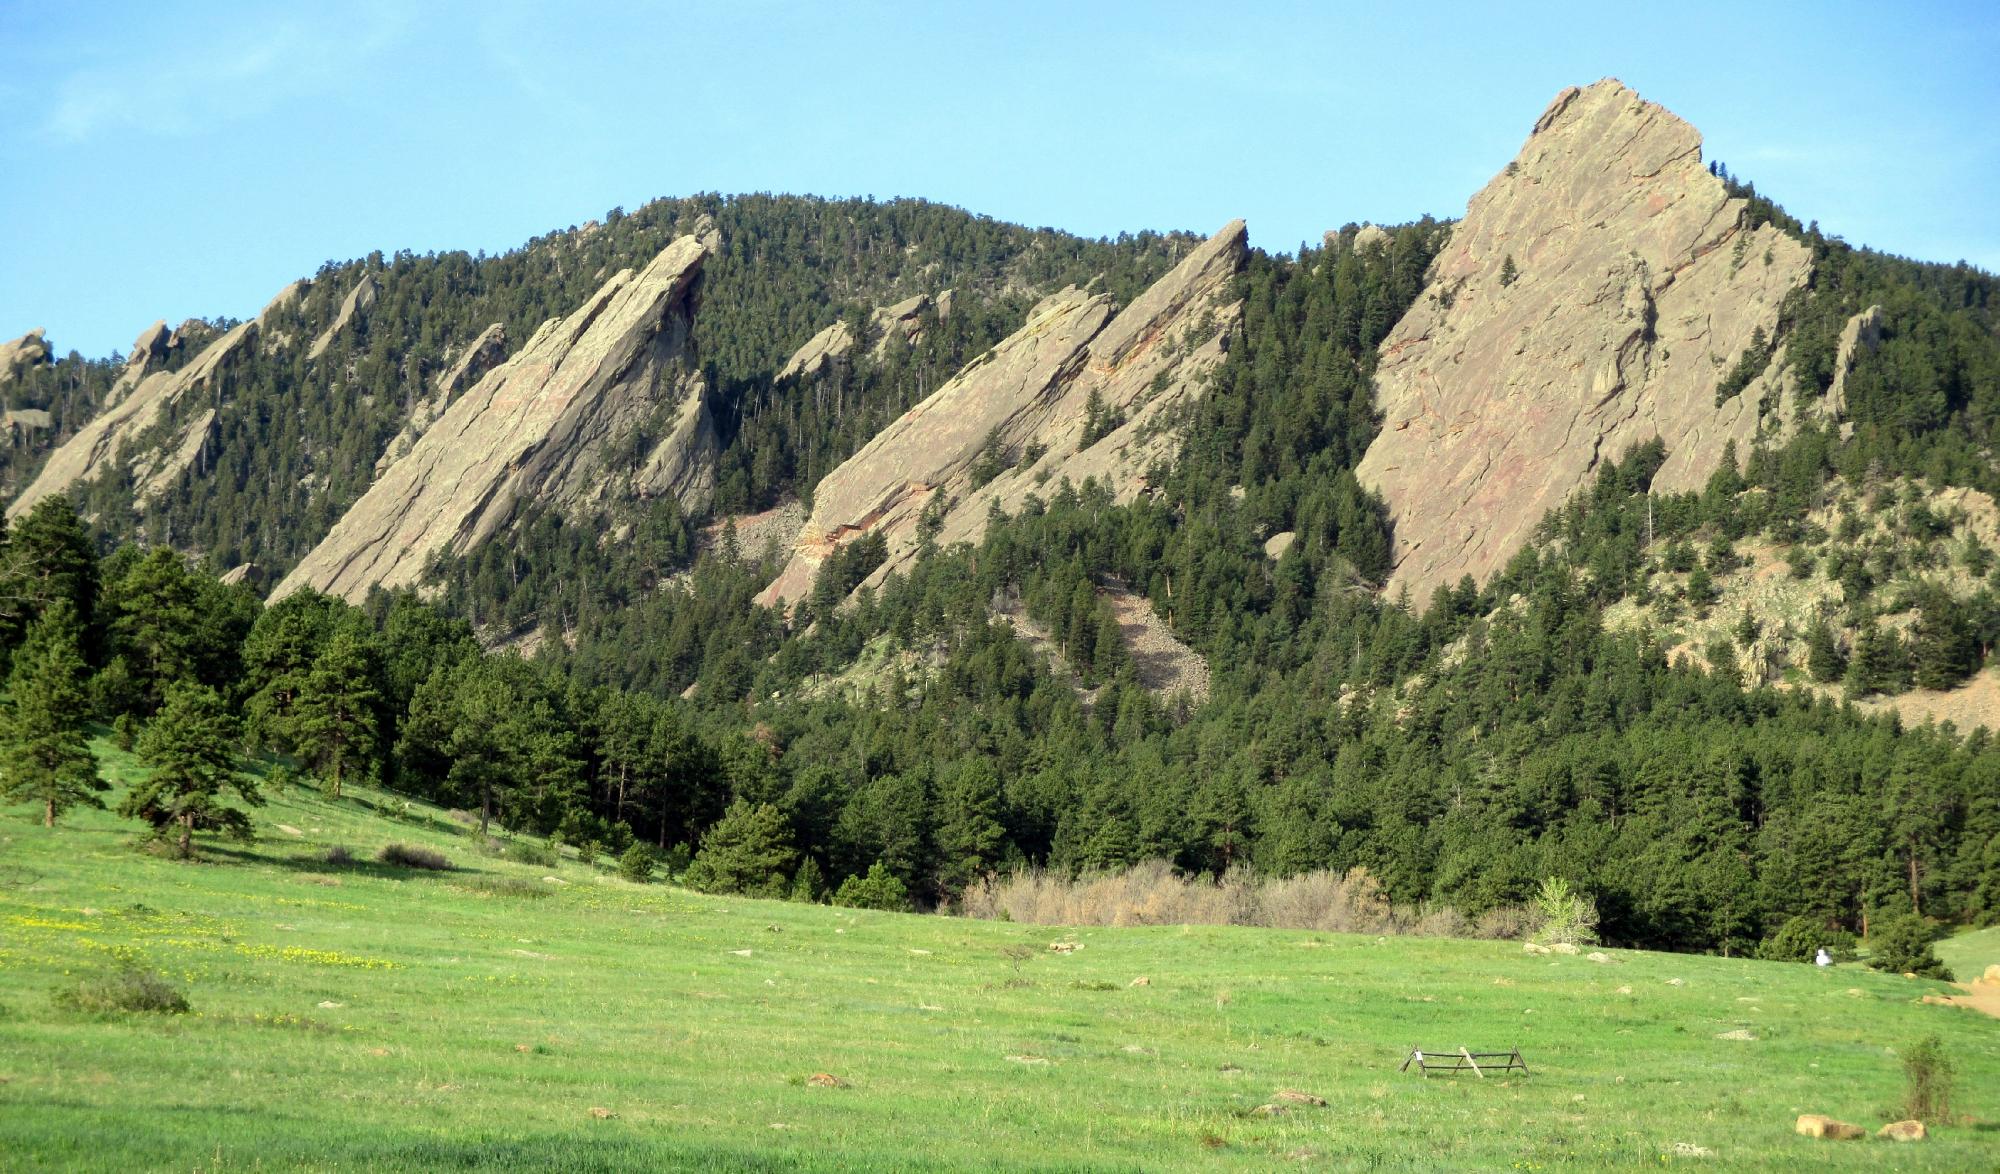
[364, 1017]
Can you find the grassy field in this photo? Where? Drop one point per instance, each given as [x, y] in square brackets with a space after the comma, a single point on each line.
[367, 1017]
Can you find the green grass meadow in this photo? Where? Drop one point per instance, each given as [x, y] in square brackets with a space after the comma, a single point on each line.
[362, 1017]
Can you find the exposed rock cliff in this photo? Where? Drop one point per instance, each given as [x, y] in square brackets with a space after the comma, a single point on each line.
[819, 350]
[1596, 295]
[24, 352]
[354, 305]
[140, 399]
[1020, 413]
[482, 355]
[553, 424]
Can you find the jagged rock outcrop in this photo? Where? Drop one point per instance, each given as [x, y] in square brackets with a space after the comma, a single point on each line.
[151, 346]
[821, 349]
[29, 350]
[1596, 295]
[1863, 332]
[482, 355]
[355, 304]
[551, 425]
[271, 340]
[1026, 400]
[141, 399]
[899, 325]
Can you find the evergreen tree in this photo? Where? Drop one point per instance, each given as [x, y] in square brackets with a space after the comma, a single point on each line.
[1823, 656]
[336, 723]
[191, 746]
[969, 833]
[749, 850]
[46, 757]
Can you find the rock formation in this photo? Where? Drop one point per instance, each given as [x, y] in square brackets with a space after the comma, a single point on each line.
[899, 325]
[141, 399]
[1596, 295]
[29, 350]
[482, 355]
[1025, 402]
[355, 304]
[821, 349]
[552, 425]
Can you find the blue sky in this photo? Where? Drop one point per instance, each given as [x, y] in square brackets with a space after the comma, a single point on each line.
[168, 161]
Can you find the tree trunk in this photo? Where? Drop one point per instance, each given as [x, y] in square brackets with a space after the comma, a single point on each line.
[485, 806]
[48, 813]
[1915, 903]
[187, 835]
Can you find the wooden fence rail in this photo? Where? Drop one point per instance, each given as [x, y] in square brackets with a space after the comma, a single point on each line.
[1478, 1063]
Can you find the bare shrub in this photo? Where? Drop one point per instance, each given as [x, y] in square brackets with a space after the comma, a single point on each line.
[128, 990]
[504, 886]
[339, 856]
[413, 856]
[1154, 893]
[1503, 923]
[1927, 1081]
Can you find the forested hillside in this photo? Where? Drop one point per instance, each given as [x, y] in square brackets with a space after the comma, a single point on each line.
[297, 435]
[1587, 713]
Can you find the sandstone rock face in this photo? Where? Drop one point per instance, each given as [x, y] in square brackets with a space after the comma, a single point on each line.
[550, 425]
[140, 400]
[1029, 396]
[29, 350]
[820, 350]
[1863, 332]
[355, 304]
[151, 345]
[900, 324]
[1596, 294]
[472, 364]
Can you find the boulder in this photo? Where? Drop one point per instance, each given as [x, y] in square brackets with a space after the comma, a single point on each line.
[1028, 396]
[1820, 1125]
[1594, 296]
[1277, 544]
[1372, 237]
[1903, 1131]
[552, 425]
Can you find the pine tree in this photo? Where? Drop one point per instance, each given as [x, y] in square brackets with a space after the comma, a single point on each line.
[46, 756]
[336, 721]
[749, 850]
[191, 746]
[969, 834]
[1823, 656]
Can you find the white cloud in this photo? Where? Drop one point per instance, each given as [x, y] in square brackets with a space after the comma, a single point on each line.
[218, 74]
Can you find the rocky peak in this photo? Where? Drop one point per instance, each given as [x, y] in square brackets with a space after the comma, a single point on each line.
[1024, 404]
[1596, 294]
[29, 350]
[551, 425]
[140, 400]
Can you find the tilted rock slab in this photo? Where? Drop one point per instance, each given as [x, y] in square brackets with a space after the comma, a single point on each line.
[1637, 289]
[141, 399]
[356, 303]
[549, 425]
[819, 351]
[480, 356]
[1031, 390]
[29, 350]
